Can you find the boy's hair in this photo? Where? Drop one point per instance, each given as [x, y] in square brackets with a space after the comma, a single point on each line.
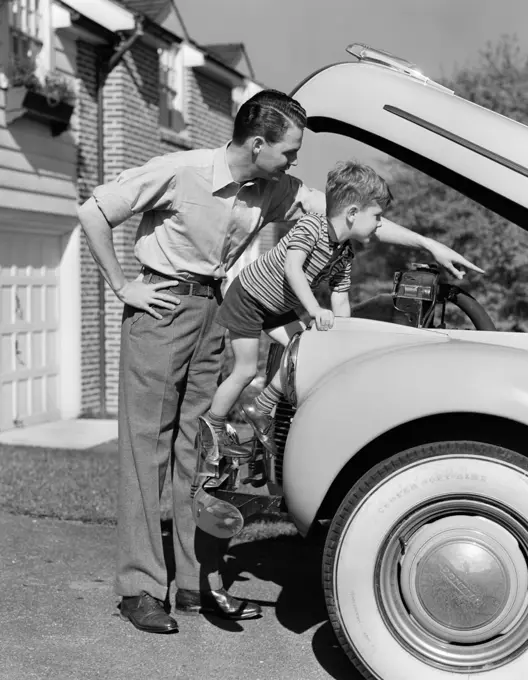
[269, 114]
[350, 182]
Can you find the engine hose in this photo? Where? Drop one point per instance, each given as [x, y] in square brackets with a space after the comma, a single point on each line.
[467, 304]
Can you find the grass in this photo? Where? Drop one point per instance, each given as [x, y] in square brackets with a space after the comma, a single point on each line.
[73, 485]
[82, 486]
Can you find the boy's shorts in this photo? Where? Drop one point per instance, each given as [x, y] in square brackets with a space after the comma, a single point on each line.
[244, 316]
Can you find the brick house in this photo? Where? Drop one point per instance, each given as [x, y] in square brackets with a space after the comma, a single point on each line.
[140, 90]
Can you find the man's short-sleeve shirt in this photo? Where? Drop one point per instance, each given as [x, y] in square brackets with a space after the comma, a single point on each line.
[195, 218]
[265, 278]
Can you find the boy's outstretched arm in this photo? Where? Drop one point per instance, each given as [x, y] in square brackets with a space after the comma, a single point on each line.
[393, 233]
[293, 270]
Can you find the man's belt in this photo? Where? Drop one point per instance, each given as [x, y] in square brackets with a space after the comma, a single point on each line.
[201, 286]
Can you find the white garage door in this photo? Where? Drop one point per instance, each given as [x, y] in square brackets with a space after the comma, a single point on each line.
[29, 326]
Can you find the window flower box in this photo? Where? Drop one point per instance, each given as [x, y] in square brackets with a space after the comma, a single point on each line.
[51, 102]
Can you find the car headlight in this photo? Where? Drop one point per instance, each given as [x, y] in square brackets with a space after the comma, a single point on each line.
[288, 367]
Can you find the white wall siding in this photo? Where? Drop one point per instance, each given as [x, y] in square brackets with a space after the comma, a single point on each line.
[39, 265]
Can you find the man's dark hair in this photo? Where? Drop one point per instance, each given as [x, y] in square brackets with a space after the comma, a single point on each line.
[268, 114]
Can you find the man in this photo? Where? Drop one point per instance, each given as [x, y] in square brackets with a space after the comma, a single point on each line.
[200, 210]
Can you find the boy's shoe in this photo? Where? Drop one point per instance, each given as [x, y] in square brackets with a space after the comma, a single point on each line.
[263, 424]
[228, 436]
[227, 441]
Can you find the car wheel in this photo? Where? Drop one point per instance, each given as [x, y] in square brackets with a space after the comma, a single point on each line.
[425, 566]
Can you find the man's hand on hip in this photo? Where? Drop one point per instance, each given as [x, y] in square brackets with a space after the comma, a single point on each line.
[145, 296]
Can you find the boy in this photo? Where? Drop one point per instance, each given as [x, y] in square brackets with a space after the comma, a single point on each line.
[266, 292]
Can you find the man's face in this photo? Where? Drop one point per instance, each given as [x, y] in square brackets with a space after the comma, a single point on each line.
[272, 160]
[364, 223]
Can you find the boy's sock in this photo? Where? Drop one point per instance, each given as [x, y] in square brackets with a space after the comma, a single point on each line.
[218, 422]
[268, 399]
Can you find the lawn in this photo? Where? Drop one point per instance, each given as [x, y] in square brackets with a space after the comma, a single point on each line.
[82, 486]
[74, 485]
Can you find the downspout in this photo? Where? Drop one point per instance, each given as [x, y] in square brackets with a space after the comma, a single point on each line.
[103, 69]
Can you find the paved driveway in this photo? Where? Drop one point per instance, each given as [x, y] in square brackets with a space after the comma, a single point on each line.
[59, 617]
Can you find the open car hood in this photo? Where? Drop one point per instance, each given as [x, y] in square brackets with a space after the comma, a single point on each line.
[482, 154]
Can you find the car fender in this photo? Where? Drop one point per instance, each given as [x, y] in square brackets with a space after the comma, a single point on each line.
[360, 400]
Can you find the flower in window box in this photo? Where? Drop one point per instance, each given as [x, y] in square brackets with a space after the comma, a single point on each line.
[58, 89]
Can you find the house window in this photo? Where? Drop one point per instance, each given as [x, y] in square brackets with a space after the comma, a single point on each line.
[171, 90]
[24, 37]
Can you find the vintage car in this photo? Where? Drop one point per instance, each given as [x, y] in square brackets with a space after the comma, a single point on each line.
[408, 437]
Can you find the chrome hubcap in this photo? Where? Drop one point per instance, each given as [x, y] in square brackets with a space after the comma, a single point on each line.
[452, 584]
[464, 579]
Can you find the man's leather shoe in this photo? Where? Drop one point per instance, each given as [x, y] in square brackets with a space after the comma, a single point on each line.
[217, 602]
[263, 424]
[147, 614]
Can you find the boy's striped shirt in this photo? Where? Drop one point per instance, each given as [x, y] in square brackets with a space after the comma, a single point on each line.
[266, 281]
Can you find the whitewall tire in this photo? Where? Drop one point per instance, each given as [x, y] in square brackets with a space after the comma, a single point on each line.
[425, 570]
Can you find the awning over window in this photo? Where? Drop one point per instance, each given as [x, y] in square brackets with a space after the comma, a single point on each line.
[106, 13]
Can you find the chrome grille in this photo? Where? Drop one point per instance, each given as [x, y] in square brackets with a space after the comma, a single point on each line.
[283, 417]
